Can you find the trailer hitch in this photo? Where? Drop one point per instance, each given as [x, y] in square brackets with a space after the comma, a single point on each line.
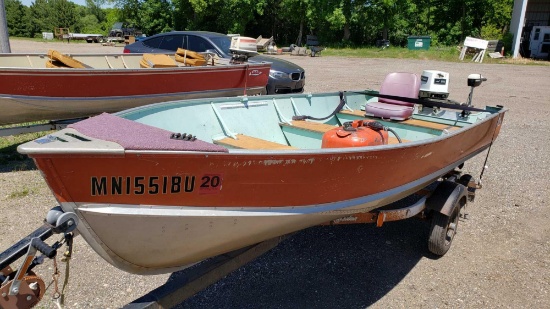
[23, 284]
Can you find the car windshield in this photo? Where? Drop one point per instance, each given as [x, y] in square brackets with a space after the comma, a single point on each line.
[223, 43]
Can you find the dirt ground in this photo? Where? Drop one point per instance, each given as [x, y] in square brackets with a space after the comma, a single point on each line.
[499, 258]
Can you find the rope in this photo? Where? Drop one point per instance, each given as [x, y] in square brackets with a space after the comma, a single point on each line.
[60, 297]
[338, 108]
[488, 152]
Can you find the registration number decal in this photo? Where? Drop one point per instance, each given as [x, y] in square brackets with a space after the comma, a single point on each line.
[210, 184]
[151, 185]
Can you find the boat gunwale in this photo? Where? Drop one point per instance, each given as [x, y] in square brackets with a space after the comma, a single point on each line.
[261, 152]
[225, 63]
[73, 71]
[109, 98]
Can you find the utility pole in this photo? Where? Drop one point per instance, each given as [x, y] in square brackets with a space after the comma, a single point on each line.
[4, 36]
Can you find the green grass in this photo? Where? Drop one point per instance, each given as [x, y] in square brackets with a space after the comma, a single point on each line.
[446, 53]
[8, 148]
[442, 53]
[22, 193]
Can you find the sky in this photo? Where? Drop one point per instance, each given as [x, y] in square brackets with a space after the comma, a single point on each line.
[29, 2]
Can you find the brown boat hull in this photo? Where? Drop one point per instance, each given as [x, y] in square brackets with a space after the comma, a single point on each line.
[173, 208]
[50, 94]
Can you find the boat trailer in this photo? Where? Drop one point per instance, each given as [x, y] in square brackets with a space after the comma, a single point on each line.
[22, 288]
[442, 202]
[443, 205]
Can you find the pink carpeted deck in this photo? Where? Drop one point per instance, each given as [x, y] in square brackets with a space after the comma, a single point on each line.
[137, 136]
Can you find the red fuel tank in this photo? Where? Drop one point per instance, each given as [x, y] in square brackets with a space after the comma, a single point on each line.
[354, 134]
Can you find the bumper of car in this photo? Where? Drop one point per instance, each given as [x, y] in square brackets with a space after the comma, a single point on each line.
[278, 85]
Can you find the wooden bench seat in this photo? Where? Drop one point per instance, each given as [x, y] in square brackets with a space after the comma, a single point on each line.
[411, 122]
[322, 128]
[309, 125]
[249, 142]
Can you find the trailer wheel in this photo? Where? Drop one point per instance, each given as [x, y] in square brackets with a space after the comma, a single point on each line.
[443, 230]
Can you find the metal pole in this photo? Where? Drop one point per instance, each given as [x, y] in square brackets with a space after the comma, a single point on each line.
[4, 35]
[516, 27]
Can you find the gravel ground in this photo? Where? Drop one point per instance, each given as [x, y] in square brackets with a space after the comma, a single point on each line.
[500, 257]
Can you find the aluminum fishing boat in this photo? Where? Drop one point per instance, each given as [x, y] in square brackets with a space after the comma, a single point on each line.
[35, 87]
[160, 187]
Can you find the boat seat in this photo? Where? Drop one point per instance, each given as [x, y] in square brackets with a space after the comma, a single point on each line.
[410, 122]
[397, 84]
[59, 60]
[321, 128]
[309, 126]
[157, 61]
[190, 58]
[249, 142]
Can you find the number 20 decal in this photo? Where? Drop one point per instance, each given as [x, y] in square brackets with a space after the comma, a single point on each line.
[210, 184]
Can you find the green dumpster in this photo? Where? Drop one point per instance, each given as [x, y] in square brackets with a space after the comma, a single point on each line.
[419, 42]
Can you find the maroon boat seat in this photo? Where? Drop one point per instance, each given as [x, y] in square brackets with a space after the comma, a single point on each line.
[397, 84]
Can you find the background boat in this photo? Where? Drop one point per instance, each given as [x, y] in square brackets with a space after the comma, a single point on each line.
[30, 91]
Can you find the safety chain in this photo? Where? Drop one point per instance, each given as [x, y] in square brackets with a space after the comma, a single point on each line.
[66, 258]
[57, 296]
[55, 276]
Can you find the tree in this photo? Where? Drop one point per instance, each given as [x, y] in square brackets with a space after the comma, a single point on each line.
[16, 16]
[156, 16]
[128, 11]
[93, 7]
[225, 16]
[64, 15]
[40, 13]
[339, 22]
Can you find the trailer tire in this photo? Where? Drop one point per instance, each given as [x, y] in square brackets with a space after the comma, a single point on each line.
[443, 230]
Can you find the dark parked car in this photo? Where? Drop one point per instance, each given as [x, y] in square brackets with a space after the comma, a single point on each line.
[284, 76]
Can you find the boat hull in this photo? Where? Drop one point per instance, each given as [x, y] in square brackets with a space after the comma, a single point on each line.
[175, 208]
[28, 94]
[153, 239]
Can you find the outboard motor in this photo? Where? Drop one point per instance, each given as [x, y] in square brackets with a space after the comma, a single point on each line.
[434, 85]
[242, 48]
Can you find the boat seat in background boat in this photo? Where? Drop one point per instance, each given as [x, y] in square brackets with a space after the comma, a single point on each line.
[322, 128]
[189, 57]
[132, 135]
[59, 60]
[249, 142]
[397, 84]
[53, 64]
[157, 61]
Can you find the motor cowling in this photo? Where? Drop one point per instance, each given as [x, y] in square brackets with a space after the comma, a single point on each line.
[355, 134]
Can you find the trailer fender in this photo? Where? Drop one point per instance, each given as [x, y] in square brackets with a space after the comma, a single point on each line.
[446, 196]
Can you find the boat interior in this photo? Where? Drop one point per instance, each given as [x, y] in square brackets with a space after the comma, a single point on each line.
[100, 61]
[266, 122]
[277, 122]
